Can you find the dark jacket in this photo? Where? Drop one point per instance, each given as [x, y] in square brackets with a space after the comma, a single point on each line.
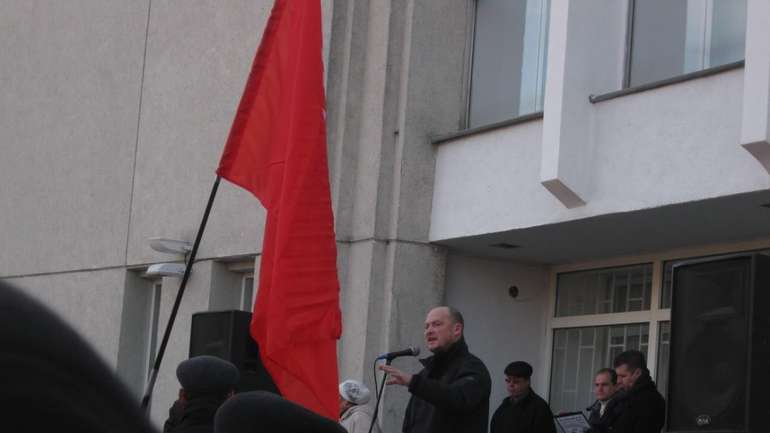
[451, 394]
[198, 415]
[531, 414]
[644, 410]
[175, 414]
[605, 423]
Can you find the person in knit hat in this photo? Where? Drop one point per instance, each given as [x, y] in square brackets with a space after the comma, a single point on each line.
[355, 415]
[207, 382]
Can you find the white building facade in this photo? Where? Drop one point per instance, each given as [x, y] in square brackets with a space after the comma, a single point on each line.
[539, 164]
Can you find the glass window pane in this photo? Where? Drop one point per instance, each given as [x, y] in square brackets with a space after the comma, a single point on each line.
[603, 291]
[588, 350]
[728, 32]
[673, 37]
[668, 283]
[664, 346]
[152, 338]
[247, 294]
[509, 59]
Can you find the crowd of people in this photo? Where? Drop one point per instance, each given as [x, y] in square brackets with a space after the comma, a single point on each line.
[450, 394]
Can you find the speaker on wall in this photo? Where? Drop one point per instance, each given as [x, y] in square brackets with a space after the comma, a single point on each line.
[225, 334]
[720, 350]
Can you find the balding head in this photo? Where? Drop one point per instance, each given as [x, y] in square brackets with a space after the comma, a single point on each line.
[443, 327]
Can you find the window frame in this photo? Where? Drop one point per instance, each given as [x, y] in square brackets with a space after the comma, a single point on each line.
[540, 68]
[685, 75]
[652, 317]
[248, 304]
[245, 270]
[153, 325]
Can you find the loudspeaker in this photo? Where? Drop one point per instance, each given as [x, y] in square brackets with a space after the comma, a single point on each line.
[720, 345]
[225, 334]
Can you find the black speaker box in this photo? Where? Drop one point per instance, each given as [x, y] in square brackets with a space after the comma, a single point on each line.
[225, 334]
[720, 345]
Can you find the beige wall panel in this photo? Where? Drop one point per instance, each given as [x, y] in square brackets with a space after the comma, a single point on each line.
[91, 302]
[198, 59]
[69, 98]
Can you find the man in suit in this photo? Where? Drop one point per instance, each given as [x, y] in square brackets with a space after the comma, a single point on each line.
[608, 404]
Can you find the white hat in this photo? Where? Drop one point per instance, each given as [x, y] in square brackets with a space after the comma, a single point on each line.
[354, 392]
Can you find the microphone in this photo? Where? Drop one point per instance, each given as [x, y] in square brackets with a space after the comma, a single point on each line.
[412, 351]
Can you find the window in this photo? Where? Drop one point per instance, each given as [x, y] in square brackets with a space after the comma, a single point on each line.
[590, 326]
[139, 329]
[598, 314]
[509, 59]
[232, 286]
[674, 37]
[664, 352]
[604, 291]
[152, 324]
[579, 352]
[247, 292]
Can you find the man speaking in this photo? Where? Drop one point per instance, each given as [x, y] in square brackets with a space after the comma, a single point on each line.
[451, 394]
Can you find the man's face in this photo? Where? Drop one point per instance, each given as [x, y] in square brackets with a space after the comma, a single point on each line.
[516, 386]
[440, 332]
[626, 376]
[603, 387]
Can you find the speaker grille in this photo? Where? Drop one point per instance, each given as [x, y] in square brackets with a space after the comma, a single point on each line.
[709, 359]
[225, 334]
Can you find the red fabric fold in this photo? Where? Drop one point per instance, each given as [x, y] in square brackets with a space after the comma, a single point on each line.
[277, 150]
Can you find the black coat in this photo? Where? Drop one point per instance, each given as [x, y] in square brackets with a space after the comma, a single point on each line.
[198, 415]
[451, 394]
[644, 409]
[605, 423]
[531, 414]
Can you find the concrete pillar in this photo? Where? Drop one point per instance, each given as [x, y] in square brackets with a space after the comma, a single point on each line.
[755, 127]
[585, 56]
[397, 75]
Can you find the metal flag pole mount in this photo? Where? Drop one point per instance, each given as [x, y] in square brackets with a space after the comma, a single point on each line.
[188, 268]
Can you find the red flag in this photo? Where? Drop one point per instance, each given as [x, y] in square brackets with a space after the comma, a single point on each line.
[277, 150]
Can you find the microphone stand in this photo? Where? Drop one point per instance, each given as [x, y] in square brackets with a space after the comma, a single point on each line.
[379, 394]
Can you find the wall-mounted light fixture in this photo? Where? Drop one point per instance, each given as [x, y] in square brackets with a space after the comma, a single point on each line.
[166, 270]
[170, 246]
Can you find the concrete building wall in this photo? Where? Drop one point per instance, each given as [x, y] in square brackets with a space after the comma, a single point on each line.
[498, 328]
[396, 77]
[71, 80]
[91, 302]
[113, 116]
[196, 63]
[669, 145]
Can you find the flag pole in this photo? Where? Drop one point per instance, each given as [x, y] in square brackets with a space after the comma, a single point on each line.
[187, 269]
